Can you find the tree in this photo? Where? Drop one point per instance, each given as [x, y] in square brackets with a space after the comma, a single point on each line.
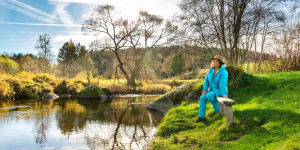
[177, 64]
[220, 23]
[35, 64]
[67, 52]
[87, 64]
[149, 31]
[119, 33]
[44, 46]
[72, 59]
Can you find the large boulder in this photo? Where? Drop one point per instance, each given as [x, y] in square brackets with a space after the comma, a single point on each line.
[95, 92]
[175, 97]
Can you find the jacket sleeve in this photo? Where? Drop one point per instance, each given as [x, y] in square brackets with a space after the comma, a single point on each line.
[223, 83]
[206, 83]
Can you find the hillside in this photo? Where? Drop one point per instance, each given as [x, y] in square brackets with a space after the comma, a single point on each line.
[267, 116]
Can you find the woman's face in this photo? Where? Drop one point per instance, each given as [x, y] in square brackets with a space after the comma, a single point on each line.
[216, 63]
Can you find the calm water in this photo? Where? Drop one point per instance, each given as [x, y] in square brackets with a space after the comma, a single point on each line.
[78, 124]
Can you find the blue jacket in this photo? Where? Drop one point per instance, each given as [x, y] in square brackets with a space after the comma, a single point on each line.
[217, 83]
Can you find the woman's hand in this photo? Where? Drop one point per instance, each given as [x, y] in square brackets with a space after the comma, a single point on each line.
[204, 92]
[224, 96]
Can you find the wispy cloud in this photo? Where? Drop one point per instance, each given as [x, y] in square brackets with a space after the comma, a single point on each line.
[77, 1]
[41, 24]
[29, 10]
[60, 10]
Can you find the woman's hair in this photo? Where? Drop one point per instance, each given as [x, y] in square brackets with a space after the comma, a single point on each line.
[219, 63]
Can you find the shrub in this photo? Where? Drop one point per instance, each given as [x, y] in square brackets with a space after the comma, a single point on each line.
[23, 91]
[6, 91]
[43, 78]
[237, 78]
[9, 66]
[65, 88]
[107, 91]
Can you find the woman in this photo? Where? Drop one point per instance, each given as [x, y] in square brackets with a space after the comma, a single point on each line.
[215, 85]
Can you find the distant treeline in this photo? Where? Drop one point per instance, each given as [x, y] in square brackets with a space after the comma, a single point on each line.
[159, 62]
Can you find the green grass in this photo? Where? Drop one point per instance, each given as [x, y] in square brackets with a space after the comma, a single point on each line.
[266, 114]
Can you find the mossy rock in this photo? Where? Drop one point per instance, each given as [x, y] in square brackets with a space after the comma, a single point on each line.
[95, 92]
[175, 97]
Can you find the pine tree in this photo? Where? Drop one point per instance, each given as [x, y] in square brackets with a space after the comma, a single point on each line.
[177, 64]
[68, 52]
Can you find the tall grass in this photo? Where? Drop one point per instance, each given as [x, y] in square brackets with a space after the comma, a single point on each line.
[29, 85]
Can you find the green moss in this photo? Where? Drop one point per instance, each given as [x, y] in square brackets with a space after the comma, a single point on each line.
[266, 117]
[91, 92]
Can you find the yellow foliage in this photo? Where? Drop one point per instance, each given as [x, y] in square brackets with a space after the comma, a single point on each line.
[5, 90]
[155, 88]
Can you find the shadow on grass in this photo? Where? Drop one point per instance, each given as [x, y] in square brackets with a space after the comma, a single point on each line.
[258, 120]
[258, 117]
[262, 87]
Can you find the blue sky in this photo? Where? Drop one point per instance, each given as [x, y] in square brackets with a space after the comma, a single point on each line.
[22, 21]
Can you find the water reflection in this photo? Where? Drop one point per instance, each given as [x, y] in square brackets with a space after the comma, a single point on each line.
[122, 124]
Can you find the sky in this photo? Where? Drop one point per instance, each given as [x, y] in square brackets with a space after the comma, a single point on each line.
[22, 21]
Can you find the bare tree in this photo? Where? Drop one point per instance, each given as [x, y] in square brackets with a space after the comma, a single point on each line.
[286, 45]
[149, 31]
[223, 24]
[44, 46]
[105, 22]
[118, 33]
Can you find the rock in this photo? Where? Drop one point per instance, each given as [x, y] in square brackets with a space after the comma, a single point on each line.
[175, 97]
[95, 92]
[50, 96]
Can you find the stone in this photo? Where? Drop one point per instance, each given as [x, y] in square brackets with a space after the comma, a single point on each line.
[50, 96]
[175, 97]
[95, 92]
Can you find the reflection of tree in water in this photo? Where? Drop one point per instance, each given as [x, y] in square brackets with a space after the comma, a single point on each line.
[42, 121]
[122, 124]
[130, 127]
[71, 117]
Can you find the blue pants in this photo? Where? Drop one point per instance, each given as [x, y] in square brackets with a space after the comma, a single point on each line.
[211, 97]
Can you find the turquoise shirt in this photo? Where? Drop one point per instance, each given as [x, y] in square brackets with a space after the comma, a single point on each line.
[217, 83]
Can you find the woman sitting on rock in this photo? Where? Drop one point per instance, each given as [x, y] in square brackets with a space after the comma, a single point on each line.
[215, 85]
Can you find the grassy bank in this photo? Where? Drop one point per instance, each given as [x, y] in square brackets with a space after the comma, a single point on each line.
[267, 116]
[27, 85]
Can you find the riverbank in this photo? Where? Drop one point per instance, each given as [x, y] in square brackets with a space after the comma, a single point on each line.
[27, 85]
[266, 117]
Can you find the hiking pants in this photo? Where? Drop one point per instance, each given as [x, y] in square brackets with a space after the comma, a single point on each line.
[211, 97]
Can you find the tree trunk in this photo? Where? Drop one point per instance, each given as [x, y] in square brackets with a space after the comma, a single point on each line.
[121, 66]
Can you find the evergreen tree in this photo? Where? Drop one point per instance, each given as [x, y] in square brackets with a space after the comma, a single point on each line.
[68, 52]
[177, 64]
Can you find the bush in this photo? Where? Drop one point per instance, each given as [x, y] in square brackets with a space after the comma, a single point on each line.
[9, 66]
[43, 78]
[23, 91]
[237, 78]
[6, 91]
[65, 88]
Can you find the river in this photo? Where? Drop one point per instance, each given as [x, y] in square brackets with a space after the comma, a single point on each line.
[124, 123]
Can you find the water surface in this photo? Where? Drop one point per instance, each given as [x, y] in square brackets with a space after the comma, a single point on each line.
[78, 124]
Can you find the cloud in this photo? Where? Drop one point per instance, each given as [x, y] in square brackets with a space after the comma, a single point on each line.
[41, 24]
[81, 38]
[29, 11]
[60, 10]
[77, 1]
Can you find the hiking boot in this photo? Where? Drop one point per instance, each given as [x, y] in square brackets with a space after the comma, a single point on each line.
[200, 119]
